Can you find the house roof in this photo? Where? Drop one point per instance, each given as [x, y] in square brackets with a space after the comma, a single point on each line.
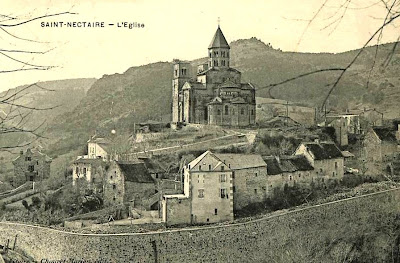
[287, 164]
[387, 134]
[300, 162]
[273, 167]
[324, 150]
[193, 163]
[241, 161]
[218, 40]
[135, 172]
[34, 153]
[217, 69]
[153, 166]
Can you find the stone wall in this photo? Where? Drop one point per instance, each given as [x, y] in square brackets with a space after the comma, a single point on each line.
[320, 233]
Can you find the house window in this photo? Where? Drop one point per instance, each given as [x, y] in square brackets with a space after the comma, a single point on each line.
[336, 165]
[199, 167]
[209, 167]
[28, 159]
[233, 175]
[31, 168]
[229, 165]
[215, 211]
[256, 174]
[111, 177]
[290, 178]
[114, 198]
[222, 178]
[77, 170]
[234, 189]
[223, 62]
[222, 167]
[84, 170]
[37, 162]
[255, 191]
[201, 193]
[226, 110]
[333, 174]
[114, 186]
[242, 111]
[224, 193]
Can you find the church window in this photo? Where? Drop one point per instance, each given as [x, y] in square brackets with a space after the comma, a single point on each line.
[223, 54]
[210, 54]
[242, 111]
[233, 111]
[252, 112]
[227, 64]
[227, 54]
[176, 72]
[216, 63]
[226, 110]
[31, 168]
[223, 62]
[84, 171]
[218, 112]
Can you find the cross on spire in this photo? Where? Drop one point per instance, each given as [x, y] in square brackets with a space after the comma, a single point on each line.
[219, 21]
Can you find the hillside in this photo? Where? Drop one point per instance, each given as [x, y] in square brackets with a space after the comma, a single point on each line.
[143, 92]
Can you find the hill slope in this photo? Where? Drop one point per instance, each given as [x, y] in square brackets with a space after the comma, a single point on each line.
[140, 93]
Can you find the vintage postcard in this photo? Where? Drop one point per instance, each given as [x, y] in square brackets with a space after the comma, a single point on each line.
[199, 131]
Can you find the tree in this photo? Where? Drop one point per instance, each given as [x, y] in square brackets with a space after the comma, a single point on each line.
[14, 114]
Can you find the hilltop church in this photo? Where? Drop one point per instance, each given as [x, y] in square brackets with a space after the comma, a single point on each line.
[216, 96]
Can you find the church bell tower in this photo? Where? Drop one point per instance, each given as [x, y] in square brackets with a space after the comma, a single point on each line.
[218, 51]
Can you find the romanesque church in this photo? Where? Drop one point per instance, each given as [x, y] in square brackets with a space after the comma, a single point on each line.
[216, 96]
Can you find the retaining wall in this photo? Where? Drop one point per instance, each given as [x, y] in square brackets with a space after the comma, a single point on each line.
[296, 236]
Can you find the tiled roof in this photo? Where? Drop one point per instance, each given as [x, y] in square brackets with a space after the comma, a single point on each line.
[273, 167]
[300, 162]
[218, 40]
[135, 172]
[387, 134]
[241, 161]
[324, 150]
[287, 164]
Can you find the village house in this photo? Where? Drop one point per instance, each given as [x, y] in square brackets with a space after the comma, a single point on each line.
[341, 128]
[325, 157]
[249, 178]
[129, 182]
[207, 196]
[90, 170]
[217, 96]
[31, 166]
[287, 170]
[381, 143]
[98, 148]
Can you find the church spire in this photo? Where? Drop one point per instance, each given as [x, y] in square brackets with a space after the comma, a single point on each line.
[218, 51]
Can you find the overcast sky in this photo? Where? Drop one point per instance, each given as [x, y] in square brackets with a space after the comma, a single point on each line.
[175, 29]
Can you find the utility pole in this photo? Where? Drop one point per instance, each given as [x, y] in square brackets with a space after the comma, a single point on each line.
[287, 113]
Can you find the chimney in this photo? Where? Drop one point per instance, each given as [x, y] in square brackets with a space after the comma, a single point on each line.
[398, 132]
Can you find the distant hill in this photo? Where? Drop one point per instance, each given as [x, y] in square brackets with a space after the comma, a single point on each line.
[144, 92]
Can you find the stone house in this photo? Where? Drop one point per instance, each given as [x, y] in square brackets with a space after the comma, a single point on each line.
[287, 170]
[341, 131]
[207, 196]
[325, 157]
[91, 170]
[128, 182]
[31, 166]
[216, 96]
[249, 178]
[98, 148]
[381, 143]
[351, 120]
